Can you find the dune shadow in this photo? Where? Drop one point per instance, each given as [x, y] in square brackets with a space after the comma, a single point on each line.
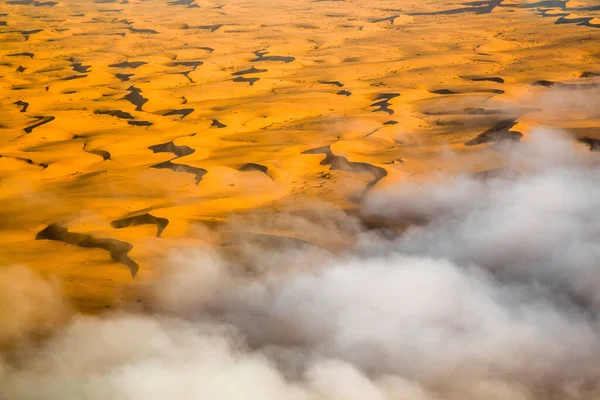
[118, 250]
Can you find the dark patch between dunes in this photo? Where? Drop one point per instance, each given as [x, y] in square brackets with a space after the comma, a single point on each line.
[563, 18]
[123, 77]
[261, 56]
[26, 160]
[73, 77]
[194, 64]
[41, 121]
[144, 219]
[197, 172]
[451, 92]
[79, 67]
[128, 64]
[243, 79]
[339, 163]
[184, 112]
[494, 91]
[499, 132]
[249, 71]
[562, 4]
[34, 3]
[249, 167]
[21, 69]
[483, 79]
[335, 83]
[23, 104]
[30, 55]
[477, 7]
[587, 74]
[566, 86]
[26, 34]
[216, 124]
[344, 93]
[442, 91]
[187, 75]
[118, 250]
[140, 123]
[102, 153]
[144, 31]
[170, 147]
[115, 113]
[383, 102]
[593, 144]
[134, 97]
[390, 19]
[188, 3]
[211, 28]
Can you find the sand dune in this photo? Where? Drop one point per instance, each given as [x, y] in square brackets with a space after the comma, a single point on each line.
[127, 125]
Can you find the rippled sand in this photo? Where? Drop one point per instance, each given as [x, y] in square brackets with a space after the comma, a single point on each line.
[130, 127]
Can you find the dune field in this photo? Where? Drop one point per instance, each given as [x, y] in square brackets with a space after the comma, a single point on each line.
[299, 200]
[129, 128]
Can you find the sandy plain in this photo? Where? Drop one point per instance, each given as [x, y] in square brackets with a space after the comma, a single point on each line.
[129, 128]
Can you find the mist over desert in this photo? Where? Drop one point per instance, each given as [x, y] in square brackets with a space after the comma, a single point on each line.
[300, 200]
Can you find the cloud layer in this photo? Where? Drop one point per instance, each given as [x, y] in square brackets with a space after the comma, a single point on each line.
[491, 295]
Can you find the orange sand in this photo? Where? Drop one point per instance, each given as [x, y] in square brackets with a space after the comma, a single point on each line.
[365, 48]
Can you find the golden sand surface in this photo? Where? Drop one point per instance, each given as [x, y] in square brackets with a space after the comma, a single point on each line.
[122, 119]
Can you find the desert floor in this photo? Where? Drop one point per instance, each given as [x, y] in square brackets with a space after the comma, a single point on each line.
[130, 128]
